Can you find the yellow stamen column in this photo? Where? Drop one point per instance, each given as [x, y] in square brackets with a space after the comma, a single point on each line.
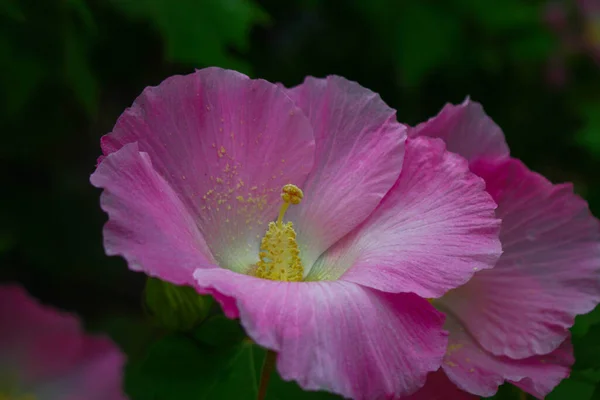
[279, 254]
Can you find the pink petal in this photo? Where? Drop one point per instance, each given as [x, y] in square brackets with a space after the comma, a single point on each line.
[335, 336]
[431, 232]
[358, 157]
[226, 145]
[439, 387]
[149, 225]
[50, 355]
[467, 130]
[549, 272]
[476, 371]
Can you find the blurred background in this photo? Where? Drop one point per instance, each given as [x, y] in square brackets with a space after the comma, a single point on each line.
[68, 68]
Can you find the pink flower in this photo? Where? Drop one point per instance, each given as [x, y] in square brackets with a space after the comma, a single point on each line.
[193, 174]
[45, 355]
[510, 323]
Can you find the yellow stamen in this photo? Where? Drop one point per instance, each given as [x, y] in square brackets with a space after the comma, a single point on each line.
[279, 254]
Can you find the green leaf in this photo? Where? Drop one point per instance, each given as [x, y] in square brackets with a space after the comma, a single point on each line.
[78, 71]
[587, 349]
[502, 15]
[507, 392]
[589, 136]
[84, 13]
[583, 323]
[427, 39]
[178, 367]
[22, 73]
[219, 331]
[596, 394]
[282, 390]
[215, 362]
[177, 308]
[132, 333]
[199, 32]
[572, 389]
[11, 9]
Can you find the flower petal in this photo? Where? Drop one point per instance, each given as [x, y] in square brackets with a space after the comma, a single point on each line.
[439, 387]
[226, 145]
[335, 336]
[549, 271]
[358, 157]
[49, 355]
[467, 130]
[149, 225]
[479, 372]
[434, 228]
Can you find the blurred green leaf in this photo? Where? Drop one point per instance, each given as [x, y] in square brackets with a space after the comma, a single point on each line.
[178, 367]
[587, 349]
[11, 9]
[583, 323]
[589, 136]
[282, 390]
[132, 334]
[219, 330]
[22, 73]
[501, 15]
[200, 32]
[216, 362]
[78, 71]
[596, 394]
[177, 308]
[572, 389]
[507, 392]
[537, 44]
[427, 38]
[84, 13]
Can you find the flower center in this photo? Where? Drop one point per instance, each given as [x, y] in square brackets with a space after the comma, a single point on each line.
[279, 254]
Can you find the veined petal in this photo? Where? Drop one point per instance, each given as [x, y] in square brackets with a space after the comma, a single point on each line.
[467, 130]
[358, 157]
[439, 387]
[432, 231]
[226, 145]
[335, 336]
[148, 223]
[479, 372]
[549, 271]
[49, 356]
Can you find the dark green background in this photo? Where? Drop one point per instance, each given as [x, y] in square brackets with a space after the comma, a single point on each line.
[68, 68]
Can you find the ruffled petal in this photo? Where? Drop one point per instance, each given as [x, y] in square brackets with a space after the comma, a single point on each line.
[358, 157]
[479, 372]
[549, 271]
[439, 387]
[335, 336]
[467, 130]
[432, 231]
[226, 145]
[49, 356]
[148, 223]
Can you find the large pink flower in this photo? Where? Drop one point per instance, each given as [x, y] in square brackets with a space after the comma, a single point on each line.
[336, 284]
[511, 322]
[45, 355]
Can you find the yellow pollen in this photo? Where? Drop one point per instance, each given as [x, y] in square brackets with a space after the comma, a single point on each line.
[279, 256]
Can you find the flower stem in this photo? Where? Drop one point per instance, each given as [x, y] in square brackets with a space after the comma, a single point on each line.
[265, 374]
